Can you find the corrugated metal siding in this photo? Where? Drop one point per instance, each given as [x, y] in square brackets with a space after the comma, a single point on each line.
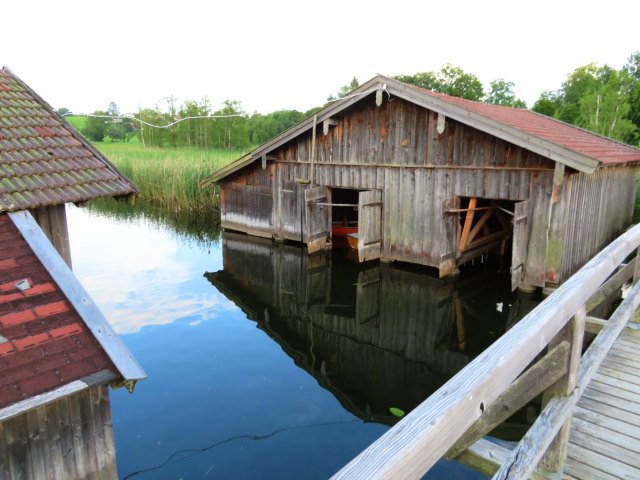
[601, 207]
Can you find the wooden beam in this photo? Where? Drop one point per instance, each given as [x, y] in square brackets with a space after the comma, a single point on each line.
[556, 455]
[478, 226]
[327, 123]
[467, 223]
[484, 456]
[612, 285]
[486, 240]
[529, 385]
[464, 210]
[594, 325]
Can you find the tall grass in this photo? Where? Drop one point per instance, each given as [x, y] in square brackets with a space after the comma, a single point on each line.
[169, 178]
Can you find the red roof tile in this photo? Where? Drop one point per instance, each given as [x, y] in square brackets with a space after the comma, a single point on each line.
[47, 343]
[43, 160]
[603, 149]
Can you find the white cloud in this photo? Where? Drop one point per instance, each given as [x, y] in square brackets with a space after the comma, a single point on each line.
[138, 275]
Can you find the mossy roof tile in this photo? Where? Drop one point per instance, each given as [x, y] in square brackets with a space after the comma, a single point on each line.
[43, 160]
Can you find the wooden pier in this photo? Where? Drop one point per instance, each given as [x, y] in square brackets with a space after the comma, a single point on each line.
[585, 366]
[605, 427]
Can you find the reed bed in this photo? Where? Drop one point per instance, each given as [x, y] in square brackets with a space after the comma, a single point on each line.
[169, 178]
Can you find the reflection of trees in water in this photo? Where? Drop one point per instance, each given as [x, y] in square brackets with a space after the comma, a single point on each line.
[200, 228]
[375, 335]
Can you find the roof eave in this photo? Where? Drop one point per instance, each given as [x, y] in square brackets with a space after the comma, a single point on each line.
[296, 130]
[79, 298]
[500, 130]
[99, 378]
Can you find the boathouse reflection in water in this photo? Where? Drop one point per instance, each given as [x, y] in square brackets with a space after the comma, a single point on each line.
[375, 335]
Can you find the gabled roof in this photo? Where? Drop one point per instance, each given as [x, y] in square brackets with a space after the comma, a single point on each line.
[577, 148]
[50, 333]
[43, 159]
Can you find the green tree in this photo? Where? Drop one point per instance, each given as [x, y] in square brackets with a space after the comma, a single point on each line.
[632, 70]
[344, 90]
[450, 80]
[501, 93]
[95, 127]
[456, 82]
[604, 108]
[547, 104]
[63, 111]
[428, 80]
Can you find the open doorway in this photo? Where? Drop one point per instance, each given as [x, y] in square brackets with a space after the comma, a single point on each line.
[493, 227]
[338, 214]
[344, 212]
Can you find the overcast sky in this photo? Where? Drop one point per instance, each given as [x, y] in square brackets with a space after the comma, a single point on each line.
[273, 55]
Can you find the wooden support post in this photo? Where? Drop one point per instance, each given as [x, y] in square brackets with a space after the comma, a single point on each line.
[556, 455]
[481, 223]
[467, 223]
[525, 388]
[312, 160]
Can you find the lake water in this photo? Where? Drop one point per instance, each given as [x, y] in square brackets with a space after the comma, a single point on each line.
[265, 363]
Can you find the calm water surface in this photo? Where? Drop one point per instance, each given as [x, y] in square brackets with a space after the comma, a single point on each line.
[264, 363]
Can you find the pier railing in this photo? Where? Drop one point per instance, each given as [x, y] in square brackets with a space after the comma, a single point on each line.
[543, 353]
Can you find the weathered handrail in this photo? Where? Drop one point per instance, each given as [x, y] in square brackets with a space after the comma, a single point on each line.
[419, 440]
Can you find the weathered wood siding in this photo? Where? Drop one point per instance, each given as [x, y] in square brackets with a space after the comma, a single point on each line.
[396, 148]
[246, 201]
[53, 222]
[597, 208]
[70, 439]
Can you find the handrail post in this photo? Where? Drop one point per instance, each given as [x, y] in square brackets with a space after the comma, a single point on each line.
[573, 332]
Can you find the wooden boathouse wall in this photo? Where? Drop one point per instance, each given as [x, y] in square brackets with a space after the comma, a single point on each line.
[68, 439]
[397, 149]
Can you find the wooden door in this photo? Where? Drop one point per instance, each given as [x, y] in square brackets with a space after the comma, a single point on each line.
[369, 225]
[317, 218]
[519, 248]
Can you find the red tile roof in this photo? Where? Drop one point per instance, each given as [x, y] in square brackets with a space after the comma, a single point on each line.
[43, 160]
[44, 343]
[603, 149]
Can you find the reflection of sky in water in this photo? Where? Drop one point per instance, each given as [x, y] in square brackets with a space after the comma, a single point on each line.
[222, 399]
[140, 274]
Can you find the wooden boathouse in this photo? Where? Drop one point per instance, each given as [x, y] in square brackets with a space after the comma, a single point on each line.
[58, 354]
[438, 181]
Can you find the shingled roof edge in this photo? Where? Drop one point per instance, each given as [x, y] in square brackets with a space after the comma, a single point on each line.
[76, 294]
[102, 377]
[72, 130]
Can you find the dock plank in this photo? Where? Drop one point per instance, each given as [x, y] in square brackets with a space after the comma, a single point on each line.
[604, 440]
[600, 464]
[601, 419]
[612, 401]
[608, 442]
[605, 427]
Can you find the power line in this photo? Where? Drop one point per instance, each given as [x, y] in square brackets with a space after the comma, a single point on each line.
[130, 116]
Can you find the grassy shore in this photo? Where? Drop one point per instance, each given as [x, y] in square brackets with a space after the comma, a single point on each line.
[169, 178]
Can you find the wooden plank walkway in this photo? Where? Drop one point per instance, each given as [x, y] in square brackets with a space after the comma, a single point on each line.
[605, 427]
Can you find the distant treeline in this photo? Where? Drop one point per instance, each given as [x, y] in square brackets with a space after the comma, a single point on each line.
[597, 98]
